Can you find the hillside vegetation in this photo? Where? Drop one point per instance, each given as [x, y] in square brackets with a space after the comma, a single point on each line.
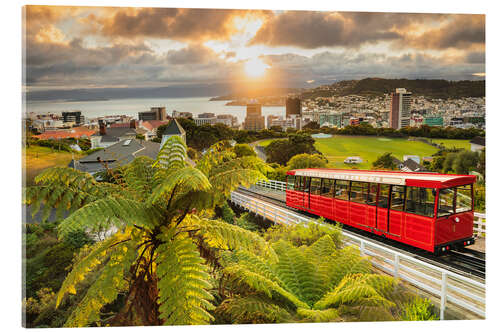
[376, 86]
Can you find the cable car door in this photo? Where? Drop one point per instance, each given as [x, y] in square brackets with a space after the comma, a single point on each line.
[382, 208]
[306, 186]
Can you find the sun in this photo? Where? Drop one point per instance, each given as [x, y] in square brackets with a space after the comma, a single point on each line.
[255, 67]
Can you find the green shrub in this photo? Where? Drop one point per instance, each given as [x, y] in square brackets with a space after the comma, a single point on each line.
[418, 309]
[304, 234]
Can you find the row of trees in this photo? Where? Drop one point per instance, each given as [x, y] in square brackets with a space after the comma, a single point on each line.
[170, 260]
[202, 137]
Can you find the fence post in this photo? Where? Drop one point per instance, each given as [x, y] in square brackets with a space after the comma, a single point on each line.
[444, 282]
[362, 248]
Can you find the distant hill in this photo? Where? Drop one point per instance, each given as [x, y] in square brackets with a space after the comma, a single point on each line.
[375, 86]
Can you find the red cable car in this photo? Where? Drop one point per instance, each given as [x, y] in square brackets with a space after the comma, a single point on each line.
[434, 212]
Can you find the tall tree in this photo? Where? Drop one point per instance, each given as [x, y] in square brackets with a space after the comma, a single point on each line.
[154, 255]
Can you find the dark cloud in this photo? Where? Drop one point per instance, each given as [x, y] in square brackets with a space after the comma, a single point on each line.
[193, 54]
[172, 23]
[345, 29]
[463, 31]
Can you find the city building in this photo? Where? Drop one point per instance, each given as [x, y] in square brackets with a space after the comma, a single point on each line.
[156, 113]
[206, 115]
[293, 106]
[330, 120]
[254, 120]
[400, 109]
[433, 121]
[178, 114]
[73, 116]
[284, 123]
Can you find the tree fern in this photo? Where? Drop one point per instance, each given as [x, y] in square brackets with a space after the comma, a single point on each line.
[104, 213]
[173, 154]
[253, 309]
[105, 288]
[80, 270]
[183, 282]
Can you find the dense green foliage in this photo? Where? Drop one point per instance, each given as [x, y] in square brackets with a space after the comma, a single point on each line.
[385, 161]
[418, 309]
[312, 279]
[281, 151]
[151, 204]
[378, 86]
[303, 161]
[242, 149]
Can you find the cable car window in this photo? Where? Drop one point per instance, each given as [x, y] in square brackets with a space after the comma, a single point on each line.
[397, 198]
[420, 201]
[464, 198]
[445, 203]
[372, 194]
[383, 196]
[315, 186]
[290, 182]
[342, 189]
[359, 191]
[305, 184]
[327, 188]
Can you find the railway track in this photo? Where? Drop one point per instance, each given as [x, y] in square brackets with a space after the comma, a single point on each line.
[469, 262]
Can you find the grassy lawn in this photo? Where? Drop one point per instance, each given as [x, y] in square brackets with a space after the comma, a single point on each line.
[369, 148]
[265, 143]
[338, 147]
[452, 143]
[36, 159]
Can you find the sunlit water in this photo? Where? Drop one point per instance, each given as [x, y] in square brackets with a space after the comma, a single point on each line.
[130, 107]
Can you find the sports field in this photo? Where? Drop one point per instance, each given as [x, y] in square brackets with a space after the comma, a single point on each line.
[36, 159]
[451, 143]
[338, 147]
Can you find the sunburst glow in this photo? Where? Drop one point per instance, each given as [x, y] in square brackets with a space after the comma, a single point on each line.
[255, 67]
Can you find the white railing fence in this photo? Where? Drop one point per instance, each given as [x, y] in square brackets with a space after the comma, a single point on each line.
[479, 218]
[451, 289]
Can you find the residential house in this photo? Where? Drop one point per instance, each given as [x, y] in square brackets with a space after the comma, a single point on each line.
[173, 128]
[75, 132]
[150, 127]
[108, 136]
[118, 154]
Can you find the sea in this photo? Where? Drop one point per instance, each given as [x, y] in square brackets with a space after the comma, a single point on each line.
[131, 107]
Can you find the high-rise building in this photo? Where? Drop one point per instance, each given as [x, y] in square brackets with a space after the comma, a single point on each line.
[400, 109]
[254, 120]
[73, 116]
[156, 113]
[293, 106]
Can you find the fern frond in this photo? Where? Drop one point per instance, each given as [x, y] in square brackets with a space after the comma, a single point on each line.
[186, 179]
[221, 235]
[298, 273]
[254, 263]
[359, 289]
[106, 287]
[240, 274]
[88, 263]
[252, 309]
[182, 282]
[215, 154]
[225, 182]
[138, 176]
[108, 212]
[68, 177]
[172, 155]
[344, 262]
[318, 316]
[245, 162]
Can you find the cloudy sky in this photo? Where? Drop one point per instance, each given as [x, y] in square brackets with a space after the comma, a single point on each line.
[100, 47]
